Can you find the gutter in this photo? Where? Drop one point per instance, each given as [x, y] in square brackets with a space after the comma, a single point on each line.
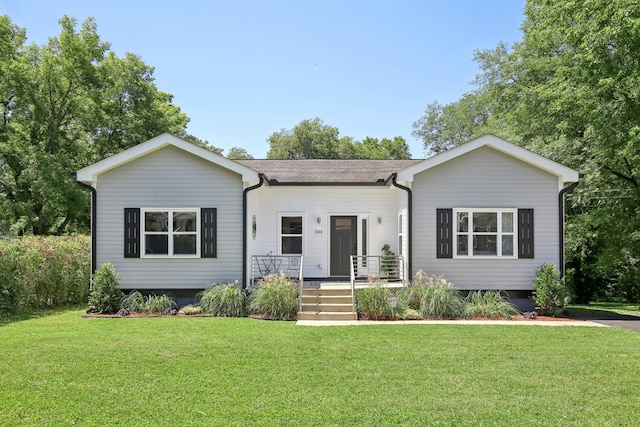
[409, 220]
[244, 227]
[94, 238]
[561, 222]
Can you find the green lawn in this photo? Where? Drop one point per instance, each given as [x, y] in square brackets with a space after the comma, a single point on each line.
[628, 308]
[65, 370]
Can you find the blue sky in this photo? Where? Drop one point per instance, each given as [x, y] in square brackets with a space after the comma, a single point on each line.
[242, 70]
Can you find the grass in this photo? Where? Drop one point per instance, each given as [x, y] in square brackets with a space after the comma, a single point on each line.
[64, 370]
[627, 308]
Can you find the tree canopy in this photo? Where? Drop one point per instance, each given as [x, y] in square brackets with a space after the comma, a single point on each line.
[569, 90]
[313, 139]
[64, 105]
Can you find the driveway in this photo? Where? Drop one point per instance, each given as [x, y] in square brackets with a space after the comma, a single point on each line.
[615, 320]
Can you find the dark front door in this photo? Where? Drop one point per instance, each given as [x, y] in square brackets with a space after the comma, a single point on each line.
[344, 242]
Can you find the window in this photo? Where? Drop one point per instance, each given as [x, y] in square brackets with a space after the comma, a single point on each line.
[169, 232]
[290, 235]
[364, 243]
[484, 233]
[400, 233]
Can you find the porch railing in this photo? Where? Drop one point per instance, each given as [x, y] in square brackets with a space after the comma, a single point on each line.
[266, 265]
[376, 268]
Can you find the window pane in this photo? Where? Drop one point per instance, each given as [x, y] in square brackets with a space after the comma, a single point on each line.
[342, 224]
[291, 225]
[364, 237]
[184, 221]
[292, 245]
[463, 222]
[507, 245]
[156, 221]
[463, 245]
[184, 244]
[400, 220]
[485, 222]
[484, 245]
[507, 222]
[400, 245]
[156, 244]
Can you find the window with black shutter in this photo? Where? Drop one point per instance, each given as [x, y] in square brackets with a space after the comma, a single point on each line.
[208, 232]
[525, 233]
[132, 232]
[444, 233]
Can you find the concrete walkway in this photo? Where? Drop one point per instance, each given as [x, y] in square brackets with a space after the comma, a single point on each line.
[527, 322]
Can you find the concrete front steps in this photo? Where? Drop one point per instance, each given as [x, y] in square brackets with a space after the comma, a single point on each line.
[326, 304]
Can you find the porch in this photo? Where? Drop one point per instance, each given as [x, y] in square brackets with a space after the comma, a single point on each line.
[328, 299]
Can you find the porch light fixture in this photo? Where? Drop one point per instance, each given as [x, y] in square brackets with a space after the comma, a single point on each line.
[379, 220]
[319, 220]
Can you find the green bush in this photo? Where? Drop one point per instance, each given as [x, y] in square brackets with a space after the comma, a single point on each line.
[106, 294]
[41, 272]
[190, 310]
[374, 302]
[275, 297]
[134, 302]
[158, 304]
[549, 292]
[489, 305]
[441, 300]
[223, 300]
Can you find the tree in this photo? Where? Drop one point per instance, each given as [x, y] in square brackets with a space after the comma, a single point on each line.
[312, 139]
[372, 148]
[309, 139]
[64, 105]
[569, 90]
[237, 153]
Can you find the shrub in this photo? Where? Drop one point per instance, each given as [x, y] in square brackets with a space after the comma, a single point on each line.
[134, 302]
[489, 305]
[276, 297]
[441, 300]
[158, 304]
[106, 294]
[40, 272]
[223, 300]
[549, 292]
[190, 310]
[374, 302]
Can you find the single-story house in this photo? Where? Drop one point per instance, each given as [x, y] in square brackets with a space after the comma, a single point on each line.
[172, 216]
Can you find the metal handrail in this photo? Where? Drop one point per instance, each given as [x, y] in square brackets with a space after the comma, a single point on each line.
[291, 266]
[368, 268]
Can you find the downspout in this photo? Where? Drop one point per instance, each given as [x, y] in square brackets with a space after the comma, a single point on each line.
[561, 222]
[94, 238]
[409, 219]
[244, 228]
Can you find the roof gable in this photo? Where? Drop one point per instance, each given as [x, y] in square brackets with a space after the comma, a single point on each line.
[90, 173]
[562, 172]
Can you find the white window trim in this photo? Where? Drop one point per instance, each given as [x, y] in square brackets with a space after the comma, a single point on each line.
[499, 233]
[170, 233]
[280, 235]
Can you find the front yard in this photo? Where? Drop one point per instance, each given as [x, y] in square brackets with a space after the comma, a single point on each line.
[65, 370]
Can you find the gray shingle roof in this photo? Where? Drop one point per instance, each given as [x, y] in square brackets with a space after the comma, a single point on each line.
[316, 171]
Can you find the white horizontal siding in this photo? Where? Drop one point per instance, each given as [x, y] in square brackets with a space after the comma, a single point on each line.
[170, 178]
[267, 203]
[485, 178]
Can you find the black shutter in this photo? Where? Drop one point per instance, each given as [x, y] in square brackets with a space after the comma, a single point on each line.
[132, 232]
[208, 232]
[444, 227]
[525, 233]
